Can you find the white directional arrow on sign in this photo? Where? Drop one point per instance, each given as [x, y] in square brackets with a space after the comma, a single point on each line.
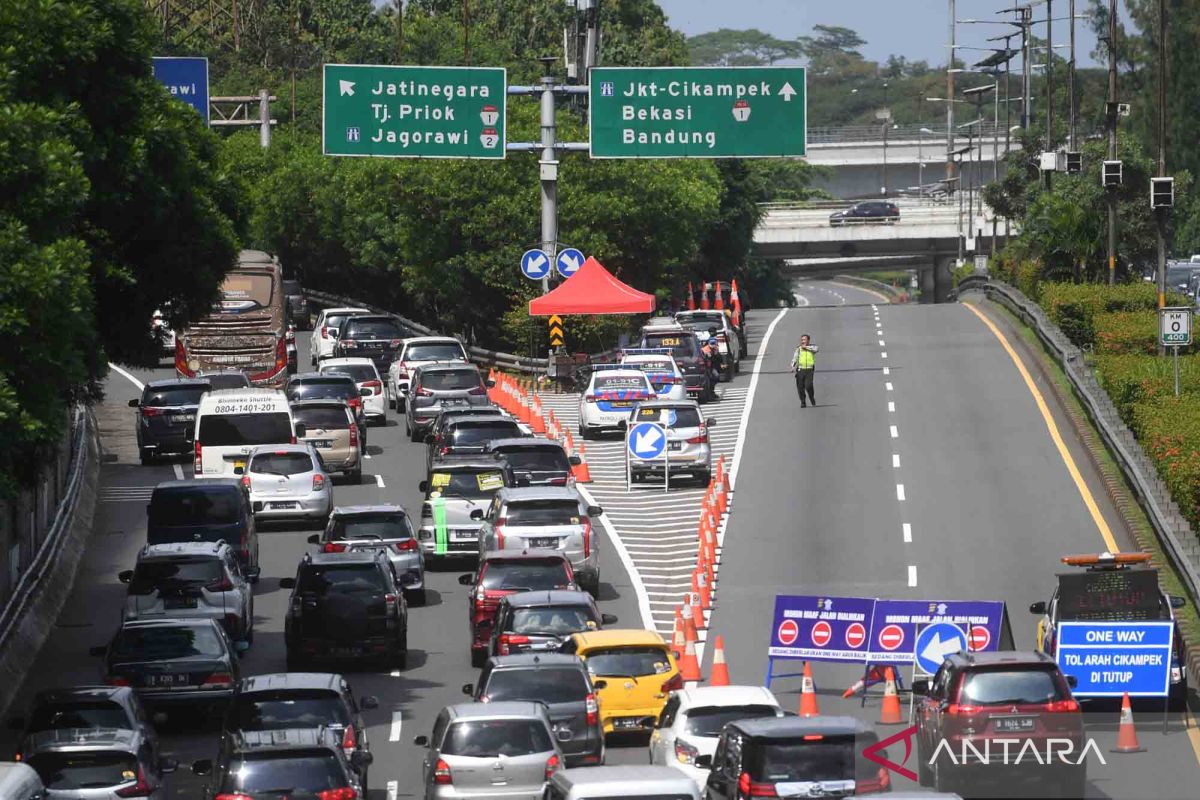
[346, 88]
[937, 650]
[787, 92]
[537, 261]
[570, 261]
[647, 441]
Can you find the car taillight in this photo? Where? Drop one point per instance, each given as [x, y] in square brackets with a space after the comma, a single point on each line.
[219, 679]
[181, 360]
[355, 402]
[593, 710]
[587, 537]
[115, 681]
[333, 547]
[353, 435]
[197, 459]
[748, 788]
[441, 773]
[349, 742]
[150, 411]
[341, 793]
[375, 386]
[402, 372]
[391, 599]
[140, 789]
[407, 545]
[423, 392]
[685, 753]
[234, 796]
[498, 529]
[246, 482]
[324, 331]
[444, 449]
[394, 343]
[223, 585]
[674, 684]
[318, 482]
[281, 360]
[1062, 707]
[507, 640]
[701, 438]
[882, 783]
[551, 766]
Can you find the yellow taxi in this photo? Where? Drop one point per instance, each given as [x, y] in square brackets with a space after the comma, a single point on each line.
[633, 672]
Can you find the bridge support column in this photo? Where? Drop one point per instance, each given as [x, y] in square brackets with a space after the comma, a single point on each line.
[943, 278]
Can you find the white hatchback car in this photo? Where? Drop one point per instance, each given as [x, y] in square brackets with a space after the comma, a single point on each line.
[660, 367]
[692, 719]
[288, 481]
[416, 352]
[610, 396]
[325, 331]
[366, 378]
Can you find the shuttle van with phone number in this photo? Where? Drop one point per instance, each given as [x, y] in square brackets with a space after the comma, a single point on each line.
[230, 423]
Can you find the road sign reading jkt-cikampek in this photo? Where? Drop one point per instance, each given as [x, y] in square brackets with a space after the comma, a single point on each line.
[1175, 326]
[414, 112]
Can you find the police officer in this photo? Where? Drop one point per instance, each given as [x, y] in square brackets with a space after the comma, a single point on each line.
[804, 364]
[712, 354]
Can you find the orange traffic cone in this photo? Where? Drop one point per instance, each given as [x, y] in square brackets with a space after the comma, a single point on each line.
[1127, 741]
[808, 694]
[873, 676]
[704, 296]
[689, 621]
[718, 298]
[538, 422]
[736, 302]
[697, 612]
[678, 641]
[889, 714]
[689, 667]
[702, 588]
[720, 670]
[691, 297]
[580, 471]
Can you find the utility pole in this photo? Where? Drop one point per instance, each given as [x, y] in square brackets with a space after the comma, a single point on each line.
[399, 31]
[950, 102]
[466, 32]
[1110, 192]
[1071, 85]
[1027, 66]
[1160, 214]
[1049, 77]
[549, 169]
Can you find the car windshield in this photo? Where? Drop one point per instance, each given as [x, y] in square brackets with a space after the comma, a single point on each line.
[677, 417]
[329, 418]
[326, 579]
[796, 760]
[361, 373]
[298, 773]
[1178, 276]
[496, 737]
[681, 345]
[540, 684]
[228, 380]
[243, 291]
[476, 433]
[287, 708]
[77, 771]
[173, 396]
[78, 714]
[709, 720]
[553, 620]
[292, 288]
[226, 430]
[621, 383]
[336, 320]
[165, 643]
[450, 380]
[332, 387]
[525, 576]
[537, 459]
[177, 573]
[435, 352]
[1009, 687]
[199, 506]
[383, 525]
[281, 463]
[628, 661]
[543, 512]
[466, 483]
[371, 329]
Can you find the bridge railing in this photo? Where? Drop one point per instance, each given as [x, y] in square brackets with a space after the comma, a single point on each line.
[849, 134]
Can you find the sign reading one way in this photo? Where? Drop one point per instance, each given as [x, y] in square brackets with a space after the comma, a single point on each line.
[414, 112]
[697, 112]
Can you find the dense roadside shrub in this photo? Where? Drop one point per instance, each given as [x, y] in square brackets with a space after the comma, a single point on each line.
[1169, 430]
[1134, 379]
[1126, 332]
[1073, 307]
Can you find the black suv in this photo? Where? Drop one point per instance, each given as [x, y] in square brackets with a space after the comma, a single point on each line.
[468, 436]
[685, 349]
[297, 304]
[308, 761]
[374, 336]
[541, 621]
[817, 756]
[283, 700]
[867, 211]
[167, 416]
[345, 605]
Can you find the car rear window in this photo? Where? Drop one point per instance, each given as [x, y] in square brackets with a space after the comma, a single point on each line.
[681, 417]
[469, 433]
[435, 352]
[624, 661]
[701, 325]
[323, 388]
[177, 573]
[544, 684]
[175, 396]
[553, 620]
[200, 506]
[324, 579]
[162, 644]
[1009, 687]
[336, 320]
[496, 737]
[228, 380]
[282, 463]
[384, 525]
[371, 329]
[228, 430]
[797, 760]
[323, 418]
[525, 576]
[683, 344]
[466, 483]
[287, 708]
[359, 372]
[313, 771]
[77, 714]
[82, 771]
[709, 720]
[536, 459]
[450, 380]
[542, 512]
[621, 383]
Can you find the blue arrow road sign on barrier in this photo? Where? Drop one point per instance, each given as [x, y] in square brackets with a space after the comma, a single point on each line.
[1109, 659]
[186, 79]
[937, 641]
[535, 264]
[646, 440]
[569, 261]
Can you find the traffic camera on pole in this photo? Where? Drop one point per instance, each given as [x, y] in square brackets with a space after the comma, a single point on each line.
[1074, 162]
[1111, 174]
[1162, 192]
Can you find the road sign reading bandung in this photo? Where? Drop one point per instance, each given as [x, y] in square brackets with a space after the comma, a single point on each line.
[1175, 326]
[697, 112]
[186, 79]
[414, 112]
[1109, 659]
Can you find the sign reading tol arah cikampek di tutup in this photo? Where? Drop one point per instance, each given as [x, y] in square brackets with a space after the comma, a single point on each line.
[697, 112]
[414, 112]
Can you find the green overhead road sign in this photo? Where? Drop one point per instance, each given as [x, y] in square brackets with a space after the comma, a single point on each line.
[413, 112]
[697, 112]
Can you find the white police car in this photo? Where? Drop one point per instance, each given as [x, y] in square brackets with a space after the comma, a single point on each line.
[610, 396]
[660, 368]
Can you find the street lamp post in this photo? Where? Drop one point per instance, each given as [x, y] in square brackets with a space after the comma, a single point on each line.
[921, 161]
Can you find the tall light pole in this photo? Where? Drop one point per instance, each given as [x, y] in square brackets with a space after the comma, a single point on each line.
[950, 93]
[1110, 192]
[921, 161]
[1160, 214]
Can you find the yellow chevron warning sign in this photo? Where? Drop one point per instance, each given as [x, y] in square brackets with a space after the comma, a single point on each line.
[556, 330]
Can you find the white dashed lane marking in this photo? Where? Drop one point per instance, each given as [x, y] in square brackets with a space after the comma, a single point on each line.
[895, 432]
[397, 724]
[912, 574]
[907, 530]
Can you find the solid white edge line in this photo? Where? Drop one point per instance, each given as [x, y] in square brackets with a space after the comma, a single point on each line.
[397, 723]
[132, 379]
[639, 588]
[178, 471]
[912, 574]
[759, 360]
[907, 529]
[379, 481]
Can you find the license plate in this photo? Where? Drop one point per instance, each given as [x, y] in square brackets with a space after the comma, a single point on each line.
[346, 651]
[544, 541]
[625, 723]
[674, 445]
[179, 602]
[453, 401]
[183, 418]
[1013, 724]
[620, 404]
[284, 505]
[375, 345]
[324, 444]
[166, 680]
[464, 536]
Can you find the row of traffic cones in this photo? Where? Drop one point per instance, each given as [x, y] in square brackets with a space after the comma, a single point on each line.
[518, 398]
[718, 304]
[890, 712]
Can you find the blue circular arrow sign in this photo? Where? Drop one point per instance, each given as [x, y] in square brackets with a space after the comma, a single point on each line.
[569, 261]
[535, 264]
[936, 641]
[646, 440]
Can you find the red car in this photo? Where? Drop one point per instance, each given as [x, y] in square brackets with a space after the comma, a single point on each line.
[501, 574]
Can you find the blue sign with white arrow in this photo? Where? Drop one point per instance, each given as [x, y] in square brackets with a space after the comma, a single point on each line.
[569, 261]
[647, 441]
[186, 79]
[535, 264]
[1109, 659]
[935, 642]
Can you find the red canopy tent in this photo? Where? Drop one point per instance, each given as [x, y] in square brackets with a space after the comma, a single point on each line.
[592, 290]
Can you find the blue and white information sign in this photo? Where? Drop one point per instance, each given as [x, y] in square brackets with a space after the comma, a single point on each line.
[535, 264]
[1109, 659]
[186, 79]
[647, 441]
[937, 641]
[569, 261]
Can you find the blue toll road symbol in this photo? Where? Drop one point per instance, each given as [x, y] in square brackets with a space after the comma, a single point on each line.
[535, 264]
[937, 641]
[646, 440]
[569, 261]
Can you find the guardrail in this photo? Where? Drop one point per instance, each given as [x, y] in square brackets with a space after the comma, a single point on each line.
[878, 286]
[1172, 530]
[874, 133]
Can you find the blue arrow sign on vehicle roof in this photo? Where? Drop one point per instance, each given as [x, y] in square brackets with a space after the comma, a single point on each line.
[569, 261]
[937, 641]
[646, 440]
[535, 264]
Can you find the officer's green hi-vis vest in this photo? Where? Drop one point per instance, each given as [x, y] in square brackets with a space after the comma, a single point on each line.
[804, 359]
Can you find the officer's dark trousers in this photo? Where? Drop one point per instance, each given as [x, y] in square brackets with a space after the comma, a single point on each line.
[804, 385]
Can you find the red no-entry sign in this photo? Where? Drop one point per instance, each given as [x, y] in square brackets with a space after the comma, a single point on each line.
[821, 633]
[891, 637]
[788, 632]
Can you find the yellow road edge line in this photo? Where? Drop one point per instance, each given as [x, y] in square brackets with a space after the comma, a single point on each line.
[1189, 721]
[880, 295]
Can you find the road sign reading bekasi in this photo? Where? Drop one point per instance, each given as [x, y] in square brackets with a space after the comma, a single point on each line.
[414, 112]
[697, 112]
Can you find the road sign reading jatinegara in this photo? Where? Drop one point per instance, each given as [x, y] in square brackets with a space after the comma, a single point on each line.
[697, 112]
[414, 112]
